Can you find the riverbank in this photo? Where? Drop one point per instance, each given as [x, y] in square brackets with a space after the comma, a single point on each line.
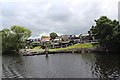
[77, 48]
[80, 50]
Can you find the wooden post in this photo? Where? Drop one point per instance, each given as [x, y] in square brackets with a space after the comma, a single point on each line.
[46, 51]
[72, 51]
[46, 54]
[83, 51]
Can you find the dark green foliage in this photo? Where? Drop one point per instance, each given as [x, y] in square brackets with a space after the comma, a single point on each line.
[14, 38]
[48, 44]
[45, 37]
[36, 44]
[31, 47]
[43, 46]
[53, 35]
[107, 32]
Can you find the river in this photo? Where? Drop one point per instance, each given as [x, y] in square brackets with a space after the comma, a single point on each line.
[62, 65]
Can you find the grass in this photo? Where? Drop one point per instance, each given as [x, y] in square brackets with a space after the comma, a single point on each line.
[85, 45]
[37, 47]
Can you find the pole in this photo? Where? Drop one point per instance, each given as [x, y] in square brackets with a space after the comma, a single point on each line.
[46, 51]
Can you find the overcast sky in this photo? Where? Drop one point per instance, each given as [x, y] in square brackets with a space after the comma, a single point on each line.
[61, 16]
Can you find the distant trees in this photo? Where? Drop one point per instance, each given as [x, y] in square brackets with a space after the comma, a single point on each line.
[45, 36]
[107, 32]
[53, 35]
[14, 38]
[35, 44]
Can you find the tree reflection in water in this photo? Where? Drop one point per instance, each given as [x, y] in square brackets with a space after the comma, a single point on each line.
[107, 65]
[87, 65]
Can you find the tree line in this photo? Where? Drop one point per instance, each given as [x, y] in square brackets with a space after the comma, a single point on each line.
[106, 32]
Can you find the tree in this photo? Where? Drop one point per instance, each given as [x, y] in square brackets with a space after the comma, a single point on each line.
[53, 35]
[14, 38]
[107, 32]
[45, 37]
[36, 44]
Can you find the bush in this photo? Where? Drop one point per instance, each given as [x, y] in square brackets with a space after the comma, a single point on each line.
[36, 44]
[31, 47]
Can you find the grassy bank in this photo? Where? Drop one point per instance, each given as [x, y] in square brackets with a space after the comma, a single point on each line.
[85, 45]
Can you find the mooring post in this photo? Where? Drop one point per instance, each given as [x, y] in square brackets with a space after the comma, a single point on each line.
[46, 54]
[72, 51]
[46, 51]
[83, 51]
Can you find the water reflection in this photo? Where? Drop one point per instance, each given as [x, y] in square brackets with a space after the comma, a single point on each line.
[0, 66]
[108, 65]
[14, 65]
[68, 65]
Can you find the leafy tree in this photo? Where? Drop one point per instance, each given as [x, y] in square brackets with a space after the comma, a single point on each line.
[107, 32]
[48, 44]
[43, 46]
[53, 35]
[45, 37]
[35, 44]
[14, 38]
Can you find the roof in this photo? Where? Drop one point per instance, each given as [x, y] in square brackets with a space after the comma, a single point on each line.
[45, 39]
[84, 34]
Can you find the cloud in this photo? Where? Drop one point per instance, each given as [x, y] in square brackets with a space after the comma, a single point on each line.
[0, 16]
[61, 16]
[119, 11]
[59, 12]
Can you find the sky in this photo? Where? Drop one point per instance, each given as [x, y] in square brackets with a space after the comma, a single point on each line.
[60, 16]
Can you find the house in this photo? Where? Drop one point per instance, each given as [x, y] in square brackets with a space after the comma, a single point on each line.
[56, 42]
[74, 39]
[60, 44]
[65, 37]
[28, 41]
[37, 40]
[58, 39]
[55, 45]
[65, 41]
[84, 38]
[45, 40]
